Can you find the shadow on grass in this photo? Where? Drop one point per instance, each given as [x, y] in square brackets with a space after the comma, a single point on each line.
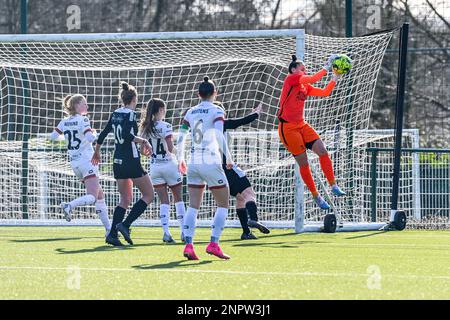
[276, 245]
[261, 237]
[107, 248]
[367, 235]
[170, 265]
[44, 240]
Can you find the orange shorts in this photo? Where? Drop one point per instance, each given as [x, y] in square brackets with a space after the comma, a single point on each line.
[296, 137]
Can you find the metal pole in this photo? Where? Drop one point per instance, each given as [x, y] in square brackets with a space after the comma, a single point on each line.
[373, 194]
[26, 115]
[401, 82]
[349, 121]
[348, 18]
[23, 16]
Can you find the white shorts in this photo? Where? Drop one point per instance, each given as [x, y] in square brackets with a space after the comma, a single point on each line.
[211, 174]
[165, 174]
[84, 168]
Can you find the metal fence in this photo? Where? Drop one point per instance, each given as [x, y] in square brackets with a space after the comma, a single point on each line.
[424, 185]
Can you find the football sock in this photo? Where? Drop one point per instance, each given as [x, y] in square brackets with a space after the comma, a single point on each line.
[164, 215]
[102, 211]
[118, 215]
[252, 210]
[180, 209]
[327, 168]
[82, 201]
[305, 172]
[189, 224]
[218, 224]
[243, 218]
[138, 209]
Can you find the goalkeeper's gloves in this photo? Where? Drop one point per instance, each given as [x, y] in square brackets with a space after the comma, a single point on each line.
[328, 66]
[336, 77]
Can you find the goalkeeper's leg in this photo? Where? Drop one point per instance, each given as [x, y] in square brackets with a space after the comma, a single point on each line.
[305, 172]
[327, 166]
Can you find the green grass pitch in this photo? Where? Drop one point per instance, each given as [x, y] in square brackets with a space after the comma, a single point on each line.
[74, 263]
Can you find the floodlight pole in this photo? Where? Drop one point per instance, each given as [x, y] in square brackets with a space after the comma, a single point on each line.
[400, 99]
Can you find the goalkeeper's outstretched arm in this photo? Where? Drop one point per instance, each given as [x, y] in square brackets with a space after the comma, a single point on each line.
[323, 92]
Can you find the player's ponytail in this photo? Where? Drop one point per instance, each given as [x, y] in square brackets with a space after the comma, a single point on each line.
[147, 125]
[294, 63]
[127, 93]
[70, 102]
[206, 88]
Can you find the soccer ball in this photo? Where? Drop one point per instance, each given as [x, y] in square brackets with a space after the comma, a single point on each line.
[341, 64]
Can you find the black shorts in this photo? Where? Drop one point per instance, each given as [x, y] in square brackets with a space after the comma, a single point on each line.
[128, 169]
[237, 181]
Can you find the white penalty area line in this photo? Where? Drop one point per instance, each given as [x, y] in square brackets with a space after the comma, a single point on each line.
[230, 272]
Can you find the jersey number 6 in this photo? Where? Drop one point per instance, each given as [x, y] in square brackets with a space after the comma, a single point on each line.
[197, 132]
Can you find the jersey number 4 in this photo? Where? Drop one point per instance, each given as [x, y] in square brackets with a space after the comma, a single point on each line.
[159, 148]
[73, 141]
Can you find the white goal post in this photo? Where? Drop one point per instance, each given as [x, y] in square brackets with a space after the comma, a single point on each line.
[249, 67]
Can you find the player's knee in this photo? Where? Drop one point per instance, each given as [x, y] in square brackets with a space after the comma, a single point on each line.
[302, 159]
[125, 201]
[240, 202]
[249, 195]
[322, 151]
[147, 197]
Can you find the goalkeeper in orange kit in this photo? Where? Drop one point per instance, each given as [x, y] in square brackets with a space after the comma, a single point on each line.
[296, 134]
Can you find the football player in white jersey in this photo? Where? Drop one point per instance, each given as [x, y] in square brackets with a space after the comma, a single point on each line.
[79, 136]
[164, 170]
[205, 166]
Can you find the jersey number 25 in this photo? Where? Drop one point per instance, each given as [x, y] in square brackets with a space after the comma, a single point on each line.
[72, 138]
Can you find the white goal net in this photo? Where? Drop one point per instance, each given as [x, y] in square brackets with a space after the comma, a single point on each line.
[248, 67]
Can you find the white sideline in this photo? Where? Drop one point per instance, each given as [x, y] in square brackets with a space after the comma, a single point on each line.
[264, 273]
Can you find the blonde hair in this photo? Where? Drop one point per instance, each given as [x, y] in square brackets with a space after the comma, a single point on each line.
[70, 101]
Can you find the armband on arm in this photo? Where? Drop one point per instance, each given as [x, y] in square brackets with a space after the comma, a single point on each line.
[184, 129]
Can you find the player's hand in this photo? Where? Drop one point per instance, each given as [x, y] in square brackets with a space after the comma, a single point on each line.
[257, 109]
[95, 158]
[329, 64]
[336, 77]
[230, 164]
[146, 148]
[182, 167]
